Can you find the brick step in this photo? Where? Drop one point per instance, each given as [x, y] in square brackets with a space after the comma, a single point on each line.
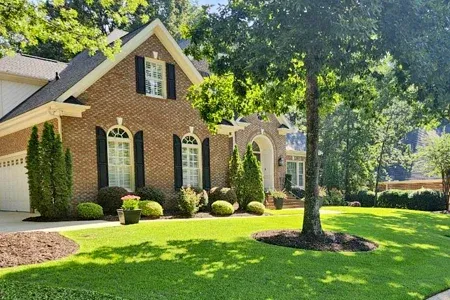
[294, 203]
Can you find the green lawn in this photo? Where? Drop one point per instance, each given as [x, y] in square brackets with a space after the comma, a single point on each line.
[217, 259]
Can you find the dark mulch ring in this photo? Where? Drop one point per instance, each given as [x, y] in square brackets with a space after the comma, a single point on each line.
[23, 248]
[176, 215]
[332, 241]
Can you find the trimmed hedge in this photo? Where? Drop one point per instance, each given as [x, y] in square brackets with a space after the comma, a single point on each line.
[256, 208]
[151, 209]
[222, 208]
[393, 199]
[366, 198]
[89, 211]
[222, 193]
[110, 198]
[14, 290]
[427, 200]
[151, 193]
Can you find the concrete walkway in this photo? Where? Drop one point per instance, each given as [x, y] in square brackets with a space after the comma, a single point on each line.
[445, 295]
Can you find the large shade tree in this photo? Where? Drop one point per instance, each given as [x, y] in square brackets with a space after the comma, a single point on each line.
[281, 54]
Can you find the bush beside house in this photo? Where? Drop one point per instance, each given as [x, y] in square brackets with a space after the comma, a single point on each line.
[151, 209]
[252, 187]
[222, 193]
[222, 208]
[151, 193]
[110, 198]
[256, 208]
[188, 201]
[89, 211]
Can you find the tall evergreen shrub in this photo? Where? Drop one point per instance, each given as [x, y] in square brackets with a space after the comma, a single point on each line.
[252, 187]
[69, 172]
[33, 167]
[236, 171]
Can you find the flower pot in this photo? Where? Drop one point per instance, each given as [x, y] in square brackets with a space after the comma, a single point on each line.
[127, 217]
[278, 203]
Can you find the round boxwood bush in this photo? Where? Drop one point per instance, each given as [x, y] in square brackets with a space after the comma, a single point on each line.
[256, 208]
[222, 208]
[151, 193]
[89, 211]
[151, 208]
[110, 198]
[222, 193]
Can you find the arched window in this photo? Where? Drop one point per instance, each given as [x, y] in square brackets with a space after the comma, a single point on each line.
[191, 161]
[120, 165]
[256, 150]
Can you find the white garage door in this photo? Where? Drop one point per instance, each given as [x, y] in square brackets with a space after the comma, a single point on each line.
[14, 183]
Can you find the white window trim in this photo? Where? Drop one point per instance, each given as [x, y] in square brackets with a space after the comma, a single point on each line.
[200, 157]
[164, 83]
[298, 168]
[131, 141]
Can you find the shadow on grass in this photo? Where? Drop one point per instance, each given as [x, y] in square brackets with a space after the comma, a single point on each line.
[410, 264]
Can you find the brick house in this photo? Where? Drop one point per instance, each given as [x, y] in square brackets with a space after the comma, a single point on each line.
[128, 123]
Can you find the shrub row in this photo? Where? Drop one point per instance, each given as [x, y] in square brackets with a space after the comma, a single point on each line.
[423, 199]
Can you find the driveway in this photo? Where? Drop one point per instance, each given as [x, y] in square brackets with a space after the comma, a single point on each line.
[12, 222]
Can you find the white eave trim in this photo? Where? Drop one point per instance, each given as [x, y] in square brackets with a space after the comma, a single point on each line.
[284, 131]
[156, 27]
[227, 129]
[41, 114]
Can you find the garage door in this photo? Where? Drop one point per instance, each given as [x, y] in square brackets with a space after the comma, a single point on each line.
[14, 183]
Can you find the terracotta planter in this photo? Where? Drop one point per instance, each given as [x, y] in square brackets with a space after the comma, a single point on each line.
[278, 203]
[127, 217]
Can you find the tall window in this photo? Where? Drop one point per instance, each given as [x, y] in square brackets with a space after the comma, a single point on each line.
[256, 151]
[296, 170]
[191, 161]
[119, 158]
[154, 78]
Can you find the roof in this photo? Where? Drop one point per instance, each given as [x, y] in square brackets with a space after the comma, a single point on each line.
[296, 141]
[31, 66]
[78, 68]
[201, 65]
[416, 139]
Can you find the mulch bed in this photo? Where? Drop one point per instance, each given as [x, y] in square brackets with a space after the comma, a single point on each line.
[44, 219]
[23, 248]
[332, 241]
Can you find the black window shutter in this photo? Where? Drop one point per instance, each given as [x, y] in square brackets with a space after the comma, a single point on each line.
[102, 157]
[171, 82]
[140, 75]
[139, 167]
[206, 172]
[178, 167]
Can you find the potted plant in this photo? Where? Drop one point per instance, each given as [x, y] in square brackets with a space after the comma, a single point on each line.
[278, 198]
[130, 212]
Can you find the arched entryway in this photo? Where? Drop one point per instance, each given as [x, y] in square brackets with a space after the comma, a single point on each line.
[263, 149]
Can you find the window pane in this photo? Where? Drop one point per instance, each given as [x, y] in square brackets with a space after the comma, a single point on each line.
[292, 170]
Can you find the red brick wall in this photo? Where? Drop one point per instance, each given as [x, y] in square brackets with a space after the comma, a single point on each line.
[17, 141]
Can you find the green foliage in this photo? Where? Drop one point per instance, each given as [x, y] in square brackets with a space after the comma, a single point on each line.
[130, 202]
[222, 193]
[55, 178]
[393, 199]
[278, 194]
[365, 197]
[427, 200]
[151, 209]
[222, 208]
[256, 208]
[89, 211]
[252, 188]
[110, 198]
[436, 158]
[334, 197]
[17, 290]
[151, 193]
[34, 168]
[188, 201]
[288, 182]
[203, 198]
[236, 172]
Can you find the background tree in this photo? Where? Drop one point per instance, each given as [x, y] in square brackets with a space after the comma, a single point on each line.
[236, 172]
[252, 188]
[34, 168]
[107, 16]
[287, 48]
[27, 23]
[436, 156]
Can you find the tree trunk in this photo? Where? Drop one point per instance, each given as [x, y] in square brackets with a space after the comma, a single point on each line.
[446, 189]
[377, 179]
[312, 227]
[347, 160]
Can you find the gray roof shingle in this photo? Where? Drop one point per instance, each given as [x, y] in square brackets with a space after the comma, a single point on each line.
[31, 66]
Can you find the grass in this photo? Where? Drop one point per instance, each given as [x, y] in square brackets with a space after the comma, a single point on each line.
[217, 259]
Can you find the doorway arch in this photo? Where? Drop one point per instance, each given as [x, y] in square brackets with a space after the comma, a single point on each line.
[263, 147]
